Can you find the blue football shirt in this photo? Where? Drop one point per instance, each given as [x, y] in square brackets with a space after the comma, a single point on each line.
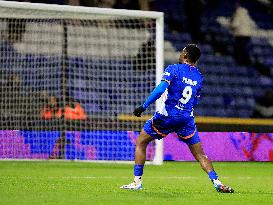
[185, 84]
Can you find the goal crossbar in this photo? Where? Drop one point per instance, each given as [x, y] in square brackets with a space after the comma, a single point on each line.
[72, 11]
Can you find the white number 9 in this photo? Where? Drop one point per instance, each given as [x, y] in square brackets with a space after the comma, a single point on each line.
[186, 95]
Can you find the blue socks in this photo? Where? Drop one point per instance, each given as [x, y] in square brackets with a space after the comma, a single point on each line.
[212, 175]
[138, 170]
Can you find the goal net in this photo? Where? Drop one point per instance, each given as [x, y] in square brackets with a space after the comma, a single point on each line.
[68, 73]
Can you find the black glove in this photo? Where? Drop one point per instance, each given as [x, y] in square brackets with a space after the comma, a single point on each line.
[138, 111]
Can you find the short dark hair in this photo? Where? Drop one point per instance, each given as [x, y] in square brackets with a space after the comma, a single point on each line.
[193, 52]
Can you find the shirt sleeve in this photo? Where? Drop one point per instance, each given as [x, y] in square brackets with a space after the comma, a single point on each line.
[157, 92]
[168, 74]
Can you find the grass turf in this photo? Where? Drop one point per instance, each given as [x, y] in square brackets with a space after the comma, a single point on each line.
[92, 184]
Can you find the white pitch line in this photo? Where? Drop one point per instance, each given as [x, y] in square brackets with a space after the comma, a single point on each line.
[157, 177]
[96, 177]
[116, 177]
[123, 177]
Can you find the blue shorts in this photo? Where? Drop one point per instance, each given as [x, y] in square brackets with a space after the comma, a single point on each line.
[159, 126]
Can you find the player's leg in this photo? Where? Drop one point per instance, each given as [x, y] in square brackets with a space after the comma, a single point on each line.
[199, 155]
[188, 133]
[153, 129]
[140, 154]
[206, 164]
[140, 157]
[141, 145]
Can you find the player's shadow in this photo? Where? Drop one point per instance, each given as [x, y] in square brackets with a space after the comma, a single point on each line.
[166, 193]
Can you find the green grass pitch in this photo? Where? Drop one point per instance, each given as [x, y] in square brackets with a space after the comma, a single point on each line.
[95, 184]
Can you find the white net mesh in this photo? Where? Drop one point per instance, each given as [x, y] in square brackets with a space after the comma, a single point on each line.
[66, 77]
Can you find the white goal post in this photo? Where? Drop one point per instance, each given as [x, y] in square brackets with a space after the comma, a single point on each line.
[68, 72]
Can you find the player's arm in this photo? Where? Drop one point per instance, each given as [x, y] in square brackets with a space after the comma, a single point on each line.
[196, 99]
[157, 92]
[198, 94]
